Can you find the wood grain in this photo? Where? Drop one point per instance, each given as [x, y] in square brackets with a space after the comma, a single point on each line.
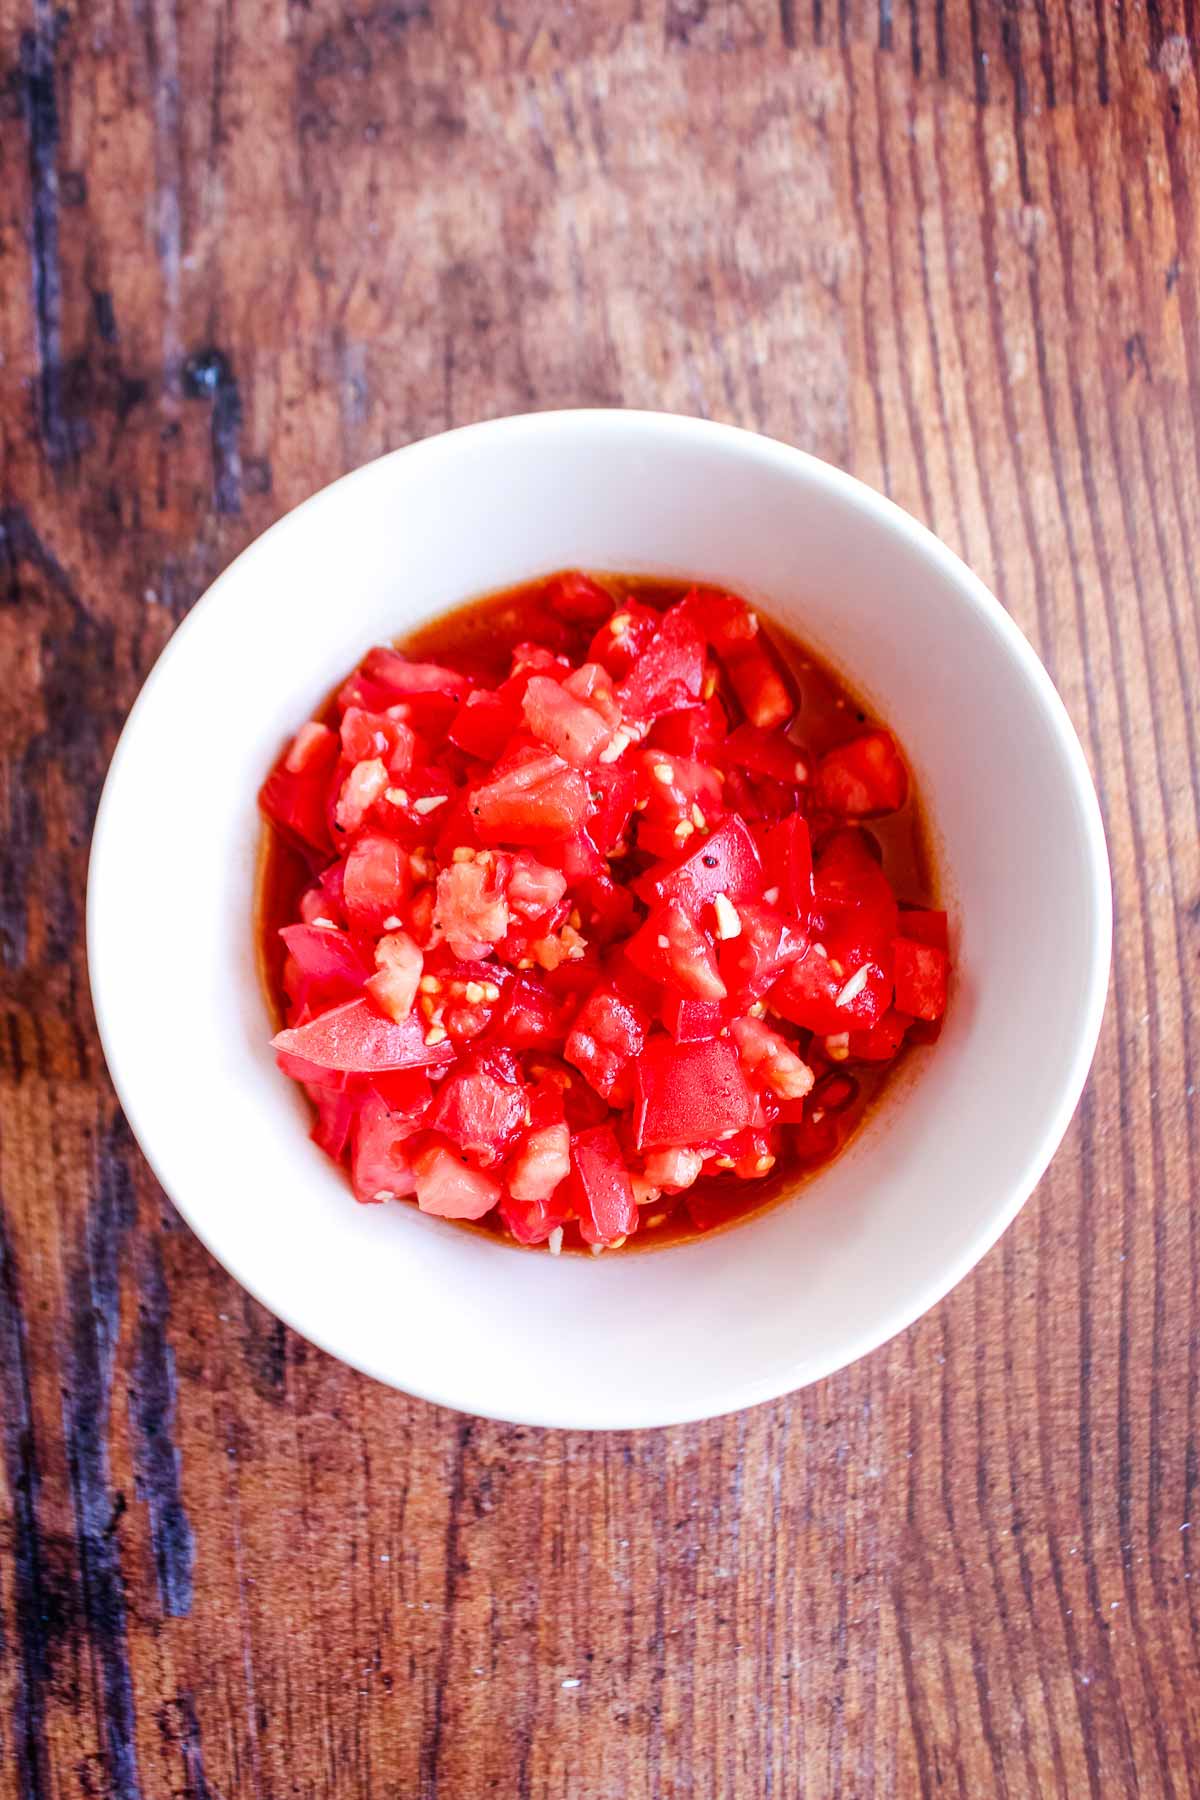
[953, 245]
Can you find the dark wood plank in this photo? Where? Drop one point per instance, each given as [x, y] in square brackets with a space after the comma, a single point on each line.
[950, 244]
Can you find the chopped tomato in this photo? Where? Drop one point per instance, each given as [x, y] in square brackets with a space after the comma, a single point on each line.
[609, 1031]
[380, 1167]
[671, 947]
[727, 862]
[585, 921]
[602, 1191]
[532, 798]
[376, 882]
[355, 1038]
[688, 1093]
[450, 1187]
[481, 1105]
[668, 673]
[921, 978]
[295, 794]
[571, 728]
[863, 777]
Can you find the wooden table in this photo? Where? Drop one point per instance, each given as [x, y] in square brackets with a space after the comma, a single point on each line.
[243, 247]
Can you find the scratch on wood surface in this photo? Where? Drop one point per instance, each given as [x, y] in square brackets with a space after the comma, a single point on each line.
[35, 1617]
[93, 1330]
[38, 80]
[152, 1404]
[208, 375]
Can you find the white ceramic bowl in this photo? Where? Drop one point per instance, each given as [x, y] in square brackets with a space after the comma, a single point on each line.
[624, 1340]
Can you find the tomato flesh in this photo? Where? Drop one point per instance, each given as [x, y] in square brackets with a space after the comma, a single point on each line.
[585, 928]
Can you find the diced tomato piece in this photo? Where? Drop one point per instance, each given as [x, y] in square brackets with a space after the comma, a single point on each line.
[771, 1060]
[697, 732]
[753, 960]
[367, 735]
[336, 1114]
[671, 947]
[609, 1031]
[532, 1221]
[449, 1187]
[405, 1092]
[625, 637]
[691, 1021]
[399, 962]
[765, 693]
[592, 683]
[829, 1000]
[481, 1105]
[295, 794]
[483, 724]
[853, 903]
[922, 973]
[531, 1018]
[668, 673]
[534, 798]
[687, 1093]
[726, 862]
[611, 794]
[601, 1188]
[377, 881]
[925, 927]
[606, 910]
[355, 1038]
[863, 777]
[578, 598]
[472, 910]
[766, 753]
[677, 800]
[380, 1165]
[533, 888]
[541, 1160]
[569, 727]
[881, 1041]
[391, 670]
[328, 963]
[673, 1169]
[788, 865]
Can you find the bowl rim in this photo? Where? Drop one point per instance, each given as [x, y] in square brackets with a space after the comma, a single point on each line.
[744, 1390]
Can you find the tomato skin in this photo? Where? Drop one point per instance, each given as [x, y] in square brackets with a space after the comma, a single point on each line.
[766, 753]
[601, 1188]
[862, 778]
[612, 793]
[726, 862]
[922, 972]
[689, 1093]
[355, 1039]
[697, 732]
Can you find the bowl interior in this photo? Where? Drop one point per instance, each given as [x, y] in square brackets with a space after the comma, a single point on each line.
[625, 1340]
